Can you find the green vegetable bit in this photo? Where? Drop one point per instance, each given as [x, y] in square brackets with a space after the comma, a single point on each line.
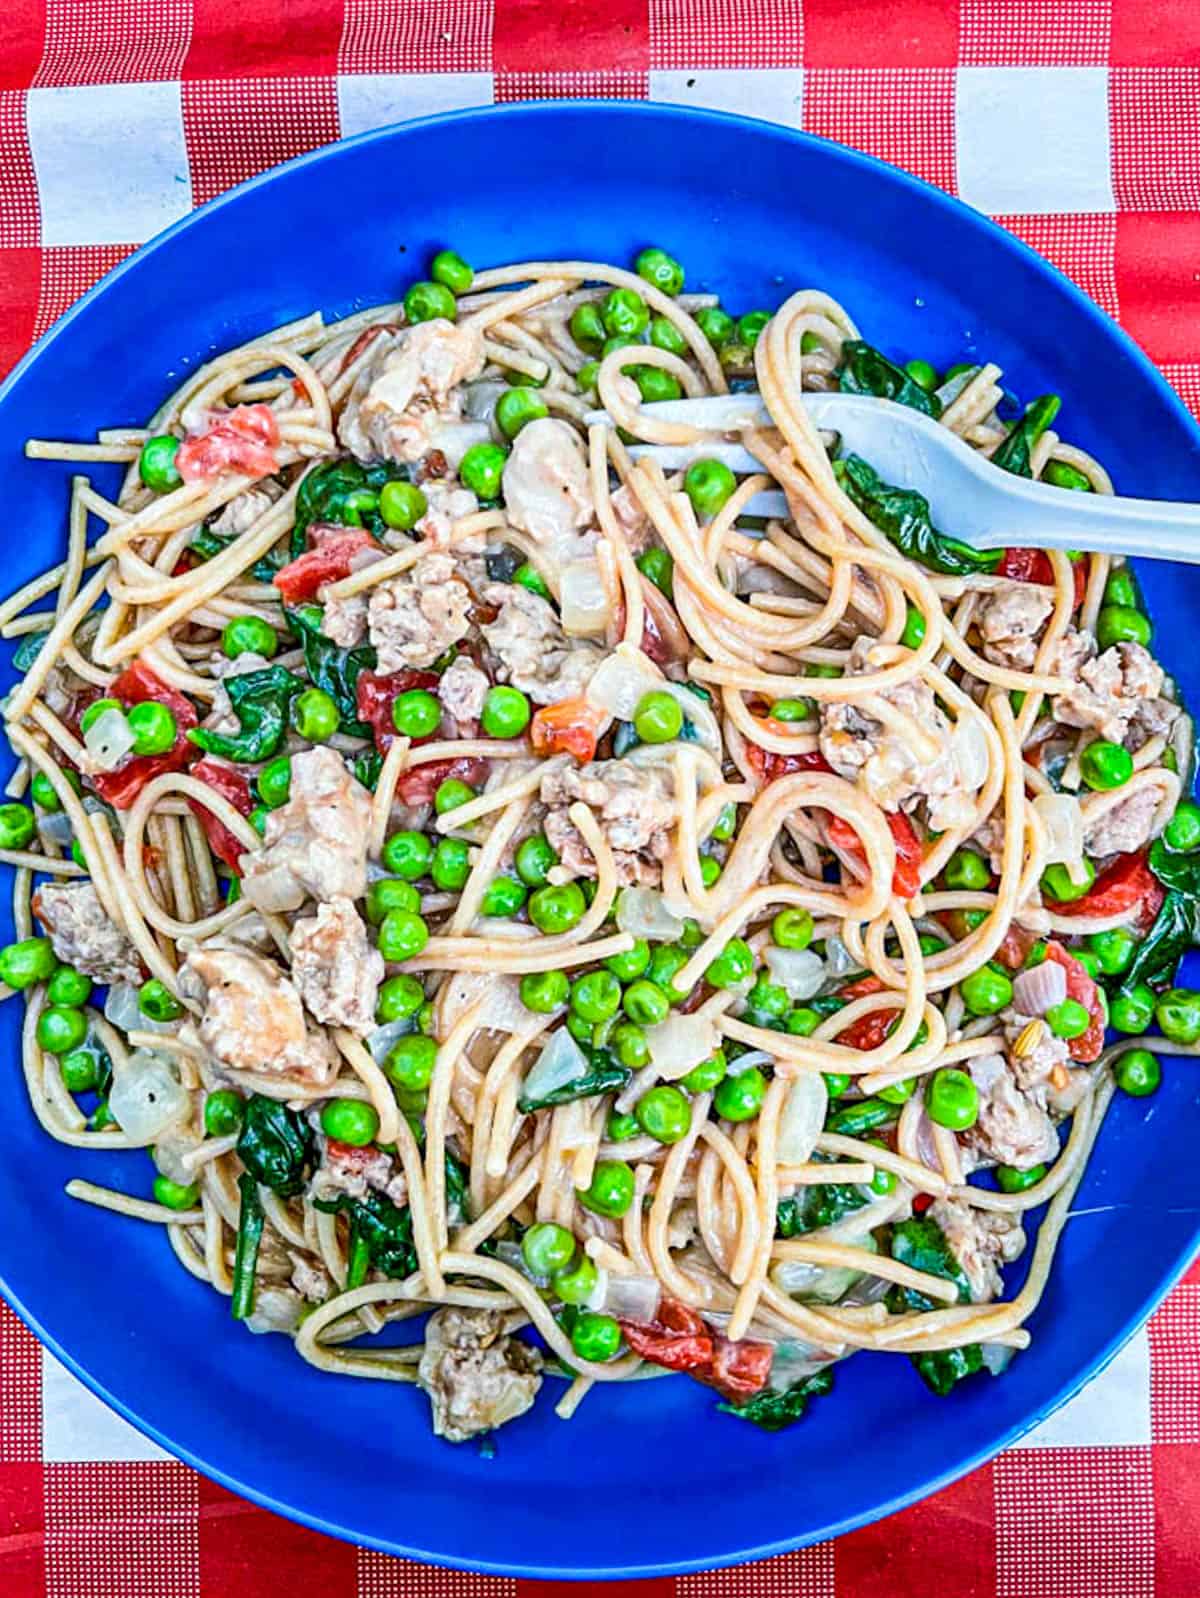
[1138, 1073]
[905, 518]
[660, 270]
[249, 635]
[426, 301]
[708, 484]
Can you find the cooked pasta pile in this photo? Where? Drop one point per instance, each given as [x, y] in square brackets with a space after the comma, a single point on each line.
[531, 886]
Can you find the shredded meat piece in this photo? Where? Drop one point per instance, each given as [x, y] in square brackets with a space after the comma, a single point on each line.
[335, 968]
[859, 748]
[634, 805]
[462, 689]
[309, 1279]
[981, 1241]
[415, 617]
[253, 1019]
[1127, 826]
[1119, 693]
[1010, 618]
[547, 493]
[476, 1377]
[404, 402]
[82, 934]
[345, 620]
[531, 649]
[343, 1170]
[242, 511]
[1014, 1127]
[1045, 1072]
[448, 503]
[221, 717]
[316, 844]
[632, 519]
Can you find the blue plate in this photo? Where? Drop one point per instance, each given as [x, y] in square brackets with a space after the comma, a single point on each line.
[650, 1479]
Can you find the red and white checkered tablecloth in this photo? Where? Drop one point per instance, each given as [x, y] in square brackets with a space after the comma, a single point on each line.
[1077, 124]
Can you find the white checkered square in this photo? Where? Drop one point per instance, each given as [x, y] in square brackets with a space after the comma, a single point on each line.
[77, 1427]
[774, 94]
[111, 162]
[1033, 139]
[375, 99]
[1113, 1409]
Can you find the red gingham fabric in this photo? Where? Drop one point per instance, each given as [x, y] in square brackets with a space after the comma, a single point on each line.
[183, 98]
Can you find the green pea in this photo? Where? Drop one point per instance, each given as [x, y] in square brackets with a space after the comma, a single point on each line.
[587, 375]
[506, 713]
[80, 1070]
[624, 314]
[1138, 1073]
[819, 668]
[402, 936]
[595, 1337]
[543, 992]
[157, 1001]
[656, 564]
[913, 635]
[450, 794]
[41, 790]
[1118, 624]
[768, 999]
[80, 858]
[425, 302]
[547, 1248]
[646, 1003]
[1178, 1015]
[1132, 1009]
[587, 327]
[314, 715]
[518, 406]
[620, 1128]
[482, 468]
[810, 343]
[1060, 475]
[704, 1077]
[503, 897]
[737, 359]
[655, 385]
[596, 997]
[836, 1083]
[390, 893]
[716, 324]
[708, 484]
[61, 1028]
[153, 726]
[534, 859]
[402, 505]
[350, 1121]
[156, 463]
[1089, 960]
[792, 928]
[967, 870]
[1070, 1019]
[557, 909]
[923, 374]
[724, 827]
[691, 937]
[630, 965]
[1011, 1180]
[884, 1181]
[1105, 765]
[408, 854]
[1182, 833]
[658, 718]
[416, 713]
[740, 1097]
[451, 865]
[660, 270]
[249, 635]
[1113, 949]
[274, 782]
[529, 577]
[666, 962]
[931, 944]
[952, 1099]
[664, 1113]
[751, 326]
[733, 965]
[986, 991]
[1057, 883]
[1121, 589]
[409, 1062]
[710, 870]
[399, 998]
[611, 1189]
[449, 269]
[17, 826]
[664, 335]
[575, 1284]
[791, 710]
[29, 961]
[174, 1195]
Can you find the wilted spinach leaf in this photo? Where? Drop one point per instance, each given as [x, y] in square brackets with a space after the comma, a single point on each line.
[944, 1368]
[904, 516]
[332, 668]
[344, 492]
[865, 370]
[773, 1411]
[604, 1075]
[1015, 452]
[260, 700]
[816, 1206]
[921, 1244]
[275, 1145]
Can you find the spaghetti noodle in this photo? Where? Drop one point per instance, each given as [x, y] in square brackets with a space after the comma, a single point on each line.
[530, 888]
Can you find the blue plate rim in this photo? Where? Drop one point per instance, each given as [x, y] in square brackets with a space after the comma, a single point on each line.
[928, 193]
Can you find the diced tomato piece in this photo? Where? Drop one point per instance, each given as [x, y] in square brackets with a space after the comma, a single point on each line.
[921, 1202]
[1014, 947]
[241, 440]
[571, 727]
[1127, 882]
[1080, 987]
[136, 685]
[367, 336]
[768, 766]
[231, 784]
[1033, 566]
[739, 1369]
[678, 1340]
[329, 560]
[906, 877]
[861, 989]
[869, 1031]
[418, 786]
[376, 692]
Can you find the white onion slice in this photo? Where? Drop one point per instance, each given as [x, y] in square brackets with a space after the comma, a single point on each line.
[146, 1097]
[1062, 818]
[802, 1118]
[800, 971]
[619, 682]
[109, 739]
[560, 1063]
[1039, 989]
[970, 750]
[55, 827]
[838, 959]
[996, 1357]
[680, 1043]
[632, 1298]
[122, 1010]
[586, 608]
[643, 913]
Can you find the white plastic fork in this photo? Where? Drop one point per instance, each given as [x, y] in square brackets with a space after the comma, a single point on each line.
[969, 497]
